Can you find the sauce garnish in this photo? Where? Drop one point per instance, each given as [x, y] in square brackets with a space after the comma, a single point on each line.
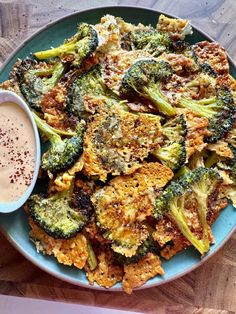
[17, 152]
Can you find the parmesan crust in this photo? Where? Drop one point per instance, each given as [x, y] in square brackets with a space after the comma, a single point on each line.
[106, 274]
[135, 275]
[176, 27]
[197, 130]
[213, 54]
[117, 141]
[67, 251]
[124, 204]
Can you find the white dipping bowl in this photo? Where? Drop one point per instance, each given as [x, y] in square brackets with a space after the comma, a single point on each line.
[7, 207]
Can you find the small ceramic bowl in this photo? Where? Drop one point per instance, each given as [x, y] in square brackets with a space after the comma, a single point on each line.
[7, 96]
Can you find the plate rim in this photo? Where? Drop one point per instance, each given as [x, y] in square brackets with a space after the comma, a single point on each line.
[24, 252]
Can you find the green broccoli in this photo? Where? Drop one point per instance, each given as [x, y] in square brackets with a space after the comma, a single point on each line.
[228, 164]
[220, 111]
[59, 215]
[62, 153]
[144, 78]
[149, 40]
[198, 184]
[80, 46]
[90, 83]
[148, 245]
[173, 152]
[36, 79]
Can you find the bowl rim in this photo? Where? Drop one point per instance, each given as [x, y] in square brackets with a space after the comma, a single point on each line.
[41, 29]
[24, 252]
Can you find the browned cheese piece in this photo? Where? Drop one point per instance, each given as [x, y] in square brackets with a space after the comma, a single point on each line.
[138, 273]
[117, 141]
[67, 251]
[123, 205]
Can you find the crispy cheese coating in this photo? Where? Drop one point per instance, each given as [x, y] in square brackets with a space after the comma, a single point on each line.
[117, 63]
[135, 275]
[117, 141]
[214, 54]
[68, 252]
[108, 35]
[106, 274]
[123, 205]
[174, 26]
[221, 148]
[197, 130]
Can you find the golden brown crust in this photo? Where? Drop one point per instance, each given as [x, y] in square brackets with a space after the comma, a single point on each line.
[68, 252]
[124, 204]
[135, 275]
[197, 131]
[174, 26]
[221, 148]
[117, 141]
[117, 63]
[106, 274]
[215, 56]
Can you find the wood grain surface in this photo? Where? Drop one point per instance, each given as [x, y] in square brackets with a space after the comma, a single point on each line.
[209, 289]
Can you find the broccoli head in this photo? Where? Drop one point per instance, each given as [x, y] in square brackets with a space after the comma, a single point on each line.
[219, 110]
[63, 152]
[197, 186]
[58, 215]
[36, 79]
[173, 152]
[90, 83]
[77, 48]
[228, 164]
[144, 79]
[149, 40]
[148, 245]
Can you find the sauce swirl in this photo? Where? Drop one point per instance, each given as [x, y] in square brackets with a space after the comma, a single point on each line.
[17, 152]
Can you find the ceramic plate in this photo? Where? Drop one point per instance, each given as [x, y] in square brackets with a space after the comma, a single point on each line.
[15, 225]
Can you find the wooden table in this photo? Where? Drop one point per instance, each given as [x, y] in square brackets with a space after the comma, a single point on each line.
[209, 289]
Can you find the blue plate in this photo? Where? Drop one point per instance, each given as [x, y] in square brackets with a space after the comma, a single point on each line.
[15, 225]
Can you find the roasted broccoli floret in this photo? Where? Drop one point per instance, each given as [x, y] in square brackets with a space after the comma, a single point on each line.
[58, 215]
[149, 40]
[173, 152]
[62, 152]
[75, 49]
[196, 185]
[148, 245]
[228, 164]
[90, 83]
[36, 79]
[144, 79]
[219, 110]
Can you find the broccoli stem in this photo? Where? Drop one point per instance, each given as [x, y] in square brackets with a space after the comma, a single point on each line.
[211, 160]
[159, 99]
[55, 52]
[56, 75]
[177, 215]
[181, 172]
[52, 136]
[202, 211]
[92, 260]
[198, 106]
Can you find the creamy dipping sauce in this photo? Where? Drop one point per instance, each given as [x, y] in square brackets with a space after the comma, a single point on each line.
[17, 152]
